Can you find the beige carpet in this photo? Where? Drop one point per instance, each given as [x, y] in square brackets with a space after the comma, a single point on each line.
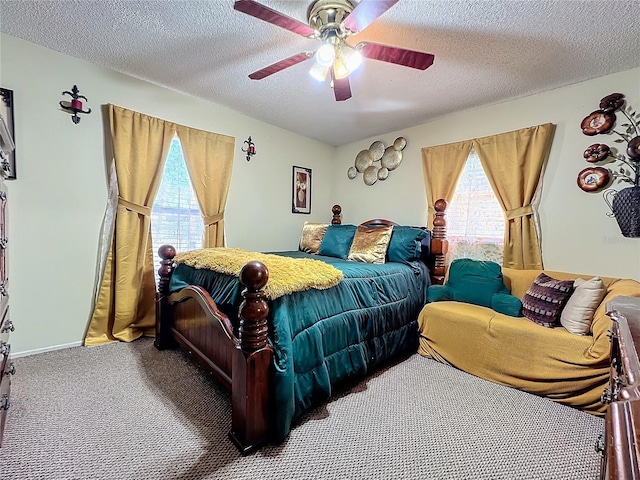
[128, 411]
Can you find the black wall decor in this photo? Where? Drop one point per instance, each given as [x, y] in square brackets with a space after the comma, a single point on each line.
[6, 111]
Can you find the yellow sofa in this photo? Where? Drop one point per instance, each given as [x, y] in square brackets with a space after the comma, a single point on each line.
[514, 351]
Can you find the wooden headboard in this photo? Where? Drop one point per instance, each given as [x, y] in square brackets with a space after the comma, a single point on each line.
[438, 247]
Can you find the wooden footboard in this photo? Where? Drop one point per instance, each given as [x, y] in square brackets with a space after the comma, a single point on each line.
[242, 363]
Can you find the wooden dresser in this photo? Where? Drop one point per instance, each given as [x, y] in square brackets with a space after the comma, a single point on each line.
[6, 327]
[621, 446]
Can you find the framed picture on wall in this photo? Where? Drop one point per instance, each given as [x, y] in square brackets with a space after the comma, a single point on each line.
[8, 154]
[301, 190]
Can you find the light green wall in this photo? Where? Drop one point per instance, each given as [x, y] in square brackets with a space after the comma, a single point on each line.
[57, 203]
[577, 235]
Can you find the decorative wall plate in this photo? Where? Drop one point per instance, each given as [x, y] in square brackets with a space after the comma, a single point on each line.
[352, 172]
[598, 122]
[400, 143]
[363, 160]
[596, 152]
[633, 148]
[376, 149]
[370, 175]
[612, 102]
[593, 178]
[383, 174]
[391, 158]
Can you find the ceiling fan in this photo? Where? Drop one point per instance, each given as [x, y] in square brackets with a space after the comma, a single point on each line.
[332, 22]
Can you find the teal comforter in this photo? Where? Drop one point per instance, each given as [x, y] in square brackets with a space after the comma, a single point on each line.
[323, 337]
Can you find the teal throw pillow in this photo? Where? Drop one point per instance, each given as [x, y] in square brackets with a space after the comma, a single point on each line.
[405, 244]
[337, 241]
[506, 304]
[475, 281]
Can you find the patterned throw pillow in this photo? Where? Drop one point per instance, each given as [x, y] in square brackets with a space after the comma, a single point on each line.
[545, 299]
[312, 234]
[370, 244]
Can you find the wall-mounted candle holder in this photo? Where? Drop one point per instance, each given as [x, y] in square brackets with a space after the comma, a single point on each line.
[249, 149]
[75, 105]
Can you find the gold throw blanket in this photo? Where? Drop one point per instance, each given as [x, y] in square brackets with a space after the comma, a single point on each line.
[286, 275]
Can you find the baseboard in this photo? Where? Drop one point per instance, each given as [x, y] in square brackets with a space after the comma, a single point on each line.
[35, 351]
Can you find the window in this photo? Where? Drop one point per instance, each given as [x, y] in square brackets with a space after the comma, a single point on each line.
[475, 222]
[175, 217]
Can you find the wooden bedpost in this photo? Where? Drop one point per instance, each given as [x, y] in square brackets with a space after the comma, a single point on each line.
[163, 336]
[337, 218]
[251, 363]
[439, 242]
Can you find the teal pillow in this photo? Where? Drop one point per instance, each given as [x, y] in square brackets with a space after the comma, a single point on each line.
[439, 293]
[475, 281]
[506, 304]
[405, 244]
[337, 241]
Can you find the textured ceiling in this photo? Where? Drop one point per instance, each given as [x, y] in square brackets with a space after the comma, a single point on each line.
[485, 52]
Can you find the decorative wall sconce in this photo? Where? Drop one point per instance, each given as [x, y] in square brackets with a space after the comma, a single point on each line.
[367, 164]
[75, 105]
[249, 149]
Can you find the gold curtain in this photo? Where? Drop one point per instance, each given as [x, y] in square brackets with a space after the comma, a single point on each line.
[209, 159]
[514, 162]
[442, 166]
[125, 307]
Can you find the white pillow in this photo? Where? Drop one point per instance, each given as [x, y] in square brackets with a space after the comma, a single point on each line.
[577, 314]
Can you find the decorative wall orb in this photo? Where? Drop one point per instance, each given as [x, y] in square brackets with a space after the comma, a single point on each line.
[363, 160]
[376, 149]
[352, 172]
[383, 174]
[391, 158]
[400, 143]
[370, 175]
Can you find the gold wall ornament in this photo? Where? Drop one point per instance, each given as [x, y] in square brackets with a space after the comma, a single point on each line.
[366, 161]
[370, 175]
[363, 160]
[400, 143]
[376, 149]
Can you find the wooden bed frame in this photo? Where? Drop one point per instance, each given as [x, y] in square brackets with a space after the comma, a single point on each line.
[241, 362]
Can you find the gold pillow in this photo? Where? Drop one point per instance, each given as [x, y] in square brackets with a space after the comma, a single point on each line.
[370, 244]
[312, 235]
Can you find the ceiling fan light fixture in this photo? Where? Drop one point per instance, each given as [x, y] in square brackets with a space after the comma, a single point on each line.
[340, 69]
[347, 61]
[326, 55]
[318, 72]
[351, 57]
